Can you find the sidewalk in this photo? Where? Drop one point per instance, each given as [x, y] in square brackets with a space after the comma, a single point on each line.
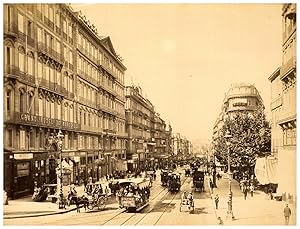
[256, 210]
[26, 207]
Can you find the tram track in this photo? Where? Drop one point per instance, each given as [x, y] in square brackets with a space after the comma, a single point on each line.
[165, 207]
[107, 221]
[149, 211]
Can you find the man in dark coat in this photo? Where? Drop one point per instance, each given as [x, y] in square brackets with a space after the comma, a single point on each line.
[287, 213]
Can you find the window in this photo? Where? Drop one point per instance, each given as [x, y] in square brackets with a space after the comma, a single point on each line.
[64, 26]
[22, 101]
[30, 66]
[66, 113]
[31, 139]
[41, 139]
[52, 110]
[40, 107]
[21, 23]
[30, 103]
[22, 61]
[51, 13]
[10, 138]
[8, 58]
[71, 114]
[57, 46]
[58, 77]
[59, 111]
[51, 75]
[22, 139]
[29, 29]
[70, 57]
[57, 20]
[8, 101]
[39, 33]
[70, 31]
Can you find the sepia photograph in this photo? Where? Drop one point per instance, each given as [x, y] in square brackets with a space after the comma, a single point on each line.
[149, 114]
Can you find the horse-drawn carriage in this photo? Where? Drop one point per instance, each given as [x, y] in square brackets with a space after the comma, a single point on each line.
[164, 177]
[174, 182]
[198, 180]
[135, 193]
[96, 196]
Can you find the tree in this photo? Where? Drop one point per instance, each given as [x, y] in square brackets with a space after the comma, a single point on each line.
[251, 137]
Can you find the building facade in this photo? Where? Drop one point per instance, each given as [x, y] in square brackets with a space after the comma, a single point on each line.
[59, 74]
[240, 97]
[283, 107]
[140, 128]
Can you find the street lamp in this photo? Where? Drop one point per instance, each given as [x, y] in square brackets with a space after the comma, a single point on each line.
[58, 140]
[229, 211]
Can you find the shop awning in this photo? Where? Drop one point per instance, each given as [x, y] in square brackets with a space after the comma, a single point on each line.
[266, 170]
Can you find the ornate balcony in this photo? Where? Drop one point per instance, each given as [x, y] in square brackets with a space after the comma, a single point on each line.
[51, 53]
[12, 70]
[30, 41]
[11, 29]
[40, 121]
[287, 68]
[21, 36]
[108, 89]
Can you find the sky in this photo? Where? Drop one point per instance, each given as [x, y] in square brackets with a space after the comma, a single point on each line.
[186, 56]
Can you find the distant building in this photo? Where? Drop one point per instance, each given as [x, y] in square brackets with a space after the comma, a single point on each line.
[283, 107]
[140, 124]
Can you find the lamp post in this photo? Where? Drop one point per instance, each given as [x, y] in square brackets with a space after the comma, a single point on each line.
[229, 215]
[58, 140]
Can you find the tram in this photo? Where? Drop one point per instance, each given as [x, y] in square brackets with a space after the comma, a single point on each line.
[135, 193]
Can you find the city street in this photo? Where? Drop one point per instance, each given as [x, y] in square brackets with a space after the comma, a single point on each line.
[163, 209]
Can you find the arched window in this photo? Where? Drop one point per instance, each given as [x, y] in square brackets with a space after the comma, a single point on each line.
[22, 101]
[31, 103]
[59, 111]
[30, 65]
[21, 60]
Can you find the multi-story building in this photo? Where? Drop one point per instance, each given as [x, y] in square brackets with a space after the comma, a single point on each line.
[240, 97]
[283, 107]
[140, 128]
[160, 136]
[59, 74]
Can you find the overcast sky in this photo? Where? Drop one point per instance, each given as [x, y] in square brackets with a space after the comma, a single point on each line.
[185, 56]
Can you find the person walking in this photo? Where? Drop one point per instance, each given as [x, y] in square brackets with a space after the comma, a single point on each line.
[217, 201]
[251, 189]
[245, 191]
[287, 213]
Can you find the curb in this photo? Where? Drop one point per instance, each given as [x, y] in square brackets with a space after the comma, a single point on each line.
[37, 215]
[213, 203]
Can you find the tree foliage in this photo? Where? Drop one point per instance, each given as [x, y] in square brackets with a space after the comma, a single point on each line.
[251, 136]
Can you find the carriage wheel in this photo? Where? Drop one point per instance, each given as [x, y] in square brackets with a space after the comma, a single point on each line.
[90, 205]
[101, 203]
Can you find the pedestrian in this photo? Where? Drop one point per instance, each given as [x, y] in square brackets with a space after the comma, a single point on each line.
[217, 201]
[85, 201]
[287, 213]
[77, 204]
[251, 190]
[245, 192]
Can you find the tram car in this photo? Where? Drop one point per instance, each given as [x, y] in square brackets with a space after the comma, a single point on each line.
[164, 177]
[198, 180]
[135, 193]
[174, 182]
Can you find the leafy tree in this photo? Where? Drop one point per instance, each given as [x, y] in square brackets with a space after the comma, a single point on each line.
[251, 137]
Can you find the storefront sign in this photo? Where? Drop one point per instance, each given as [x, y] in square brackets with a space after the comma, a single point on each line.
[82, 154]
[71, 154]
[24, 156]
[135, 156]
